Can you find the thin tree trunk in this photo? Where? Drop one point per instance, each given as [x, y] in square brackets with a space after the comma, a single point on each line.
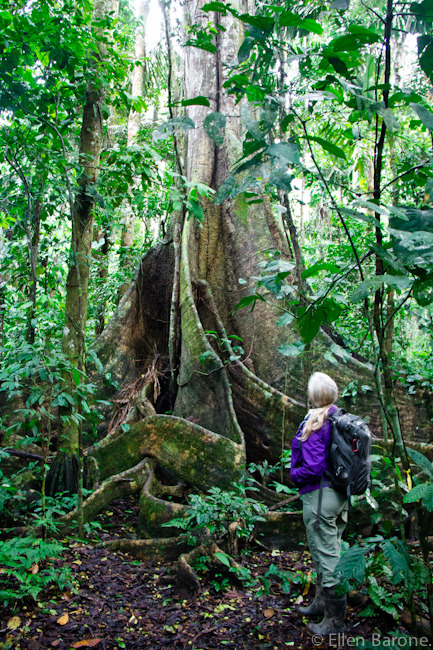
[137, 83]
[33, 249]
[77, 284]
[391, 412]
[103, 275]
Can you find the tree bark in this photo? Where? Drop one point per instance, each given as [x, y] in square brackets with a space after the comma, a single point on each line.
[77, 284]
[137, 90]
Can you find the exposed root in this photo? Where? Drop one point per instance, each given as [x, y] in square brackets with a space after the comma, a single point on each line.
[200, 457]
[167, 548]
[119, 485]
[283, 530]
[154, 511]
[186, 575]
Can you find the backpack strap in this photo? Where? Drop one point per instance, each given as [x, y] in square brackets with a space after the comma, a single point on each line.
[338, 411]
[319, 505]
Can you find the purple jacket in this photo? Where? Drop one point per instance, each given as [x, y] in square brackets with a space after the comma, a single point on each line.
[310, 458]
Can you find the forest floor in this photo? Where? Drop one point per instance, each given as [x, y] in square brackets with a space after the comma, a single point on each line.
[120, 602]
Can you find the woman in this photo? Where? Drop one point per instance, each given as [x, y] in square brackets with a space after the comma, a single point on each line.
[310, 451]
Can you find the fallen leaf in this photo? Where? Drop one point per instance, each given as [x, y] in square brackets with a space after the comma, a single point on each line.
[268, 613]
[77, 562]
[63, 619]
[299, 600]
[306, 589]
[35, 569]
[55, 643]
[14, 622]
[86, 643]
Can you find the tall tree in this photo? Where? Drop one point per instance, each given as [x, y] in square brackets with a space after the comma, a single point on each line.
[76, 304]
[137, 90]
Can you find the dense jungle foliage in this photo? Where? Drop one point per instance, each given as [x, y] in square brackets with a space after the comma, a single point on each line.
[333, 100]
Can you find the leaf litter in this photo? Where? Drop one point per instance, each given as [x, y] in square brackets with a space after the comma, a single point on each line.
[121, 602]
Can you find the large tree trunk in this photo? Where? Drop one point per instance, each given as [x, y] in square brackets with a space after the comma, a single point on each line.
[223, 413]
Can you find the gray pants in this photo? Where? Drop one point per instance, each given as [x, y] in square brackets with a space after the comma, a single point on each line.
[325, 541]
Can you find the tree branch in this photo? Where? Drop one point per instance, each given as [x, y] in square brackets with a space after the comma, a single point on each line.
[412, 169]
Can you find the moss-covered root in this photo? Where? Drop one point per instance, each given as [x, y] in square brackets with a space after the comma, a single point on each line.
[115, 487]
[198, 456]
[155, 511]
[167, 548]
[187, 577]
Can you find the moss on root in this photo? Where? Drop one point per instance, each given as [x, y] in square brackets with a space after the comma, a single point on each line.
[200, 457]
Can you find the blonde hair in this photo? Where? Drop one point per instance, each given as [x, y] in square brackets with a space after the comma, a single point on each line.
[322, 393]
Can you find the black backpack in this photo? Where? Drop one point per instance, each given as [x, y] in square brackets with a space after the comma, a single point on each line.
[349, 455]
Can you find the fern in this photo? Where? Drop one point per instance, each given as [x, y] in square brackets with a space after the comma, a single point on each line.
[383, 599]
[17, 556]
[352, 564]
[398, 561]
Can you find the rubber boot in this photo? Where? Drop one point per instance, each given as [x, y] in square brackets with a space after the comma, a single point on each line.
[317, 607]
[335, 614]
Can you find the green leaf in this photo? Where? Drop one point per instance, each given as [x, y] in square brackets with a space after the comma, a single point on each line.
[245, 49]
[214, 124]
[414, 249]
[340, 352]
[328, 146]
[271, 282]
[163, 131]
[249, 300]
[391, 122]
[314, 270]
[365, 288]
[195, 209]
[226, 189]
[423, 290]
[421, 460]
[285, 319]
[425, 53]
[330, 357]
[281, 179]
[224, 558]
[388, 257]
[417, 493]
[257, 130]
[424, 115]
[309, 322]
[368, 218]
[291, 350]
[289, 19]
[264, 23]
[219, 7]
[287, 151]
[357, 38]
[352, 564]
[397, 560]
[196, 101]
[423, 10]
